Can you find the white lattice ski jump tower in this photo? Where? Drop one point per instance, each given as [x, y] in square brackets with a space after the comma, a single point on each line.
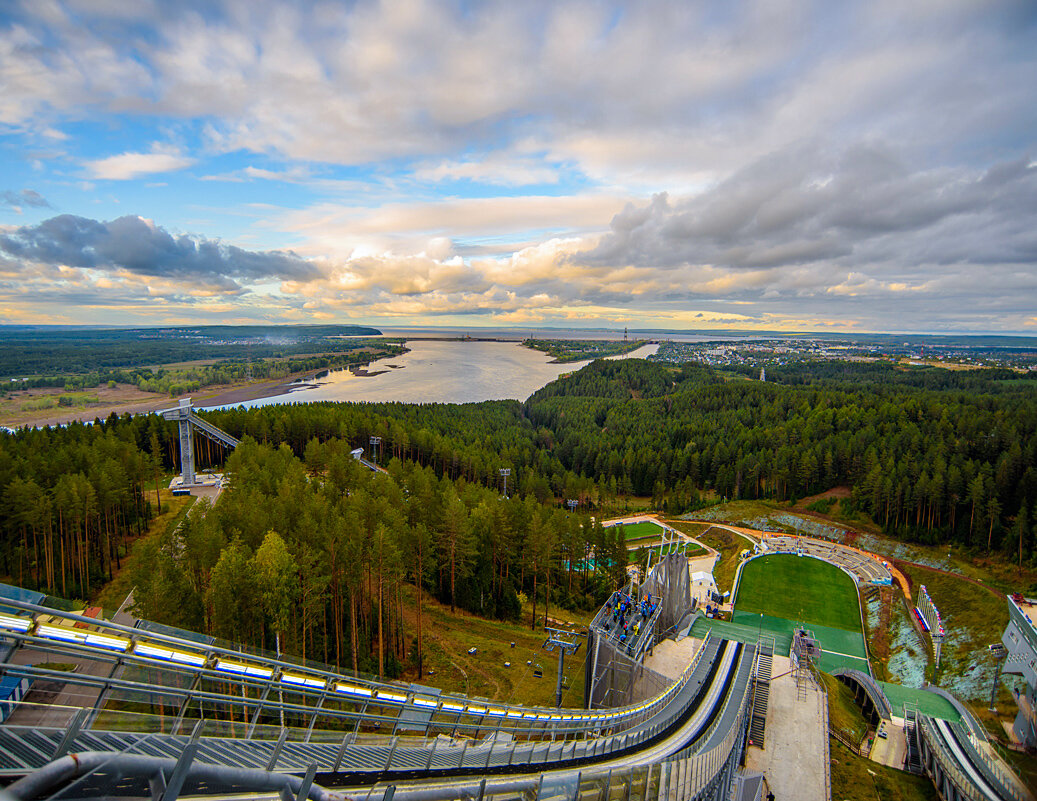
[189, 421]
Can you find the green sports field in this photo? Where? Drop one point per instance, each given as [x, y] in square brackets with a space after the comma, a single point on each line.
[799, 588]
[781, 592]
[635, 531]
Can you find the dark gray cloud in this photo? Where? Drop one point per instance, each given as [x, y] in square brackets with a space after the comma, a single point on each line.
[137, 245]
[852, 208]
[27, 197]
[79, 298]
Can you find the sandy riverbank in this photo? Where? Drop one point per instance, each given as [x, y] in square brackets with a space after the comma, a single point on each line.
[124, 399]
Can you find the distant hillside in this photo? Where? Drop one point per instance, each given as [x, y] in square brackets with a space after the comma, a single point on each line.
[51, 350]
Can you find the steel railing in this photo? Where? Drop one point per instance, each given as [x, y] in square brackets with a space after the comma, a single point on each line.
[187, 670]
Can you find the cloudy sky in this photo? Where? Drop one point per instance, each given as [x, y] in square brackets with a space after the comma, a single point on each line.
[776, 164]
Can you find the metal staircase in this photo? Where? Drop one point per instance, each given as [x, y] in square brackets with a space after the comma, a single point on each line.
[913, 758]
[761, 692]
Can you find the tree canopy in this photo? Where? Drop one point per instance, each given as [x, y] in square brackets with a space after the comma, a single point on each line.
[308, 546]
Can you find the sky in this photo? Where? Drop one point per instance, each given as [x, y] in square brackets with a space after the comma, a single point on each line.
[761, 165]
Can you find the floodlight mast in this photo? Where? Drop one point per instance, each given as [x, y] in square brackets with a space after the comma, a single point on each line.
[567, 642]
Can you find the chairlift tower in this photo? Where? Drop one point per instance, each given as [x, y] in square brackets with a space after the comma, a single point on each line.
[505, 472]
[189, 421]
[375, 442]
[572, 503]
[567, 642]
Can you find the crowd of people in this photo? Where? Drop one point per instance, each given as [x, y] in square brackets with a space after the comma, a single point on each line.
[629, 616]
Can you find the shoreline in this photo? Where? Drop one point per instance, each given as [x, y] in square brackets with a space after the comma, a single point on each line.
[205, 398]
[228, 395]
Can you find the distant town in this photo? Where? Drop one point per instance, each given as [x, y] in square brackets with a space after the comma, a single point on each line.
[782, 352]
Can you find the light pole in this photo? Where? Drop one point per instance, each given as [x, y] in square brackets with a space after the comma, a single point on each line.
[505, 472]
[375, 442]
[567, 642]
[1000, 654]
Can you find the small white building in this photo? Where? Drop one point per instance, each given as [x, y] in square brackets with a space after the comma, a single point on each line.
[702, 584]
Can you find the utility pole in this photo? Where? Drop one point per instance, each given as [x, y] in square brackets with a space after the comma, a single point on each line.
[567, 642]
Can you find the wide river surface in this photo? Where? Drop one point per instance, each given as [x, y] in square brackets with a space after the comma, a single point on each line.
[441, 372]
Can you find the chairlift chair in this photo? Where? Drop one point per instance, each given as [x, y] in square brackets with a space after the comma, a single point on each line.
[538, 671]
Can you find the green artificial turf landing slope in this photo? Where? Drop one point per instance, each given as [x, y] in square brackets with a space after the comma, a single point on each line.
[799, 588]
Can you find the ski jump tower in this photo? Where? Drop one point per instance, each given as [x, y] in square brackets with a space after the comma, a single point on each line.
[189, 421]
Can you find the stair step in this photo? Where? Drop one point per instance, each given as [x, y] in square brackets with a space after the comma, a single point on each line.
[761, 695]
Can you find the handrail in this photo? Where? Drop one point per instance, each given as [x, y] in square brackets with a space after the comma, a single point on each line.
[846, 741]
[519, 753]
[993, 766]
[570, 728]
[113, 641]
[947, 762]
[716, 756]
[695, 773]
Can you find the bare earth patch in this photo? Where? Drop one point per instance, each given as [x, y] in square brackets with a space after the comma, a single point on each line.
[834, 492]
[123, 397]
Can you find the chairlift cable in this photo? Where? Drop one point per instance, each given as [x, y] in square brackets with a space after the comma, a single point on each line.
[582, 668]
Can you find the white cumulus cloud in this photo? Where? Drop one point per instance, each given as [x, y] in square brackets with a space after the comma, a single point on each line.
[127, 166]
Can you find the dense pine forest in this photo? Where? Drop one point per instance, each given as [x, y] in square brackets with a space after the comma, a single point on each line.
[308, 550]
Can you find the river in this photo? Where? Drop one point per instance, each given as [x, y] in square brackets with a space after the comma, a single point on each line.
[440, 372]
